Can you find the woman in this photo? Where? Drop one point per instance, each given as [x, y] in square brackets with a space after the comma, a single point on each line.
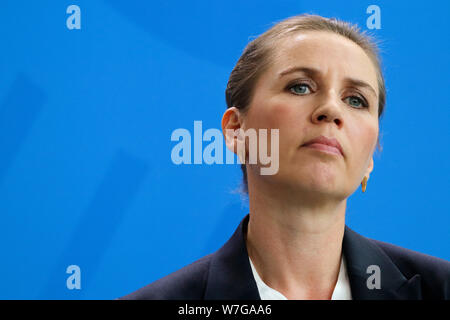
[319, 82]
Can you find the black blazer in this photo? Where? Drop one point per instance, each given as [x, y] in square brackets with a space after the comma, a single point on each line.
[226, 274]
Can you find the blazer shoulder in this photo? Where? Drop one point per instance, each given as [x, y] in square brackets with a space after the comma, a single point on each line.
[434, 272]
[187, 283]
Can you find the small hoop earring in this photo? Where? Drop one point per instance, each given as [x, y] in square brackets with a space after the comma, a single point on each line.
[364, 184]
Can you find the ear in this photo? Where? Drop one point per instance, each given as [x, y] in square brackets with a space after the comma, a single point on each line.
[369, 168]
[232, 124]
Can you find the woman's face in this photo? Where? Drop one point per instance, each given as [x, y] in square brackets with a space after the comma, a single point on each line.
[313, 88]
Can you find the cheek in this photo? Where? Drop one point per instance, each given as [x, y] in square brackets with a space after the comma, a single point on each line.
[267, 113]
[279, 114]
[363, 140]
[271, 114]
[282, 115]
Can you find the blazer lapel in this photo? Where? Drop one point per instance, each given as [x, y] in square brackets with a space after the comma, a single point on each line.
[230, 276]
[360, 253]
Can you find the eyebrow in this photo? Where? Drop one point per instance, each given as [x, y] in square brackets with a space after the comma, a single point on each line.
[312, 72]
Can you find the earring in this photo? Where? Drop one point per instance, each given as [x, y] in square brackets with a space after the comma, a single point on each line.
[364, 184]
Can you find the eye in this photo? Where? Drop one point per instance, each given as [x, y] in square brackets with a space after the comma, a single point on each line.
[300, 89]
[357, 102]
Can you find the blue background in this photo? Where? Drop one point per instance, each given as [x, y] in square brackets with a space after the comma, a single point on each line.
[86, 117]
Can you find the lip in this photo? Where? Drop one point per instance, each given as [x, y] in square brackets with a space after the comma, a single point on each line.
[322, 143]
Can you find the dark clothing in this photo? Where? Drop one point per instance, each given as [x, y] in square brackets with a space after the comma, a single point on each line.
[226, 274]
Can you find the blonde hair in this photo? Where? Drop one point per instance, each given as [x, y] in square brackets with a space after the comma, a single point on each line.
[256, 58]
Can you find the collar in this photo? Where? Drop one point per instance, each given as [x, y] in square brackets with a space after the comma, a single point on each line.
[341, 290]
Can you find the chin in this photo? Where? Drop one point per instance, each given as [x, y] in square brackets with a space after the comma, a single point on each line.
[320, 185]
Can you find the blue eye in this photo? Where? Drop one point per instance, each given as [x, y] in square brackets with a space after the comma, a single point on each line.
[300, 89]
[357, 102]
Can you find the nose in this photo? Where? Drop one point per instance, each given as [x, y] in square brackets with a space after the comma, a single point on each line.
[328, 110]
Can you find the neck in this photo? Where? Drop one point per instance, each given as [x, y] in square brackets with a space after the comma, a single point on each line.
[295, 243]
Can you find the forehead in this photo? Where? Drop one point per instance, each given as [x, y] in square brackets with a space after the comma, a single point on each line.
[330, 53]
